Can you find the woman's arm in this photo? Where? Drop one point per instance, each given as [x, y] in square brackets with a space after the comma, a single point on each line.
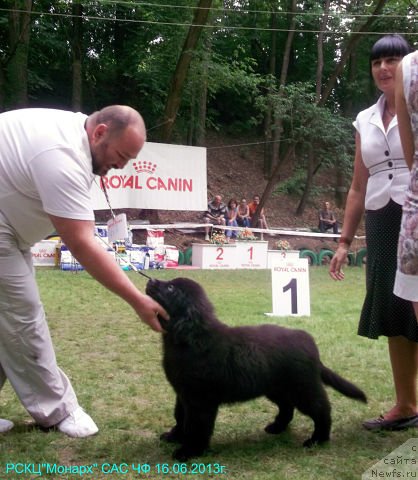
[354, 210]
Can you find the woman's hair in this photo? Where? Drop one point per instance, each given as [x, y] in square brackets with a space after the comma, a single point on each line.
[392, 45]
[232, 201]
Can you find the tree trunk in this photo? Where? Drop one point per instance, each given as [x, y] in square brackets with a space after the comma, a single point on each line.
[2, 88]
[77, 42]
[310, 171]
[353, 40]
[320, 49]
[341, 187]
[192, 123]
[19, 32]
[268, 119]
[200, 138]
[275, 130]
[179, 77]
[202, 100]
[351, 44]
[272, 182]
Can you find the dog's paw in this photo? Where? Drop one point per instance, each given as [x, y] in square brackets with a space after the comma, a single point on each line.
[312, 442]
[183, 453]
[274, 428]
[172, 436]
[309, 443]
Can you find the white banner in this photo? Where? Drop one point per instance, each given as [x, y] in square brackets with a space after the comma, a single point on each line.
[163, 176]
[44, 253]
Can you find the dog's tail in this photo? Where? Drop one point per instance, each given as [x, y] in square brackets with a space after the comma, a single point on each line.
[341, 384]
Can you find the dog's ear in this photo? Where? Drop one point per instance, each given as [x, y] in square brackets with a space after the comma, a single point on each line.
[189, 326]
[191, 312]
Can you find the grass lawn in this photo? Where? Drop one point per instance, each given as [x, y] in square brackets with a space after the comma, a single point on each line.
[114, 362]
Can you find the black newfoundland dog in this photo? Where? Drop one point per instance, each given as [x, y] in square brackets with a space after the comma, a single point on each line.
[209, 363]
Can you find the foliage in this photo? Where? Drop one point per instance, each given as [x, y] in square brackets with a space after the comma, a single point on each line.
[130, 51]
[233, 88]
[311, 127]
[294, 185]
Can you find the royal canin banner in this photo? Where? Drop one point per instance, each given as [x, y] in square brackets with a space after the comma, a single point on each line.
[163, 177]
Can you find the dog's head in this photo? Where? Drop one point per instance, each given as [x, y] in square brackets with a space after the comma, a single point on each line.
[187, 304]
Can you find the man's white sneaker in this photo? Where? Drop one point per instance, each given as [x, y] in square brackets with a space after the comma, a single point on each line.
[5, 425]
[78, 424]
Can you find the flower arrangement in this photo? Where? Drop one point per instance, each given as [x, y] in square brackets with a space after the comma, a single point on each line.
[218, 238]
[283, 245]
[246, 235]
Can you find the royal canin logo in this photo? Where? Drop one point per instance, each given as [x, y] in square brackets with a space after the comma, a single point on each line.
[152, 182]
[146, 167]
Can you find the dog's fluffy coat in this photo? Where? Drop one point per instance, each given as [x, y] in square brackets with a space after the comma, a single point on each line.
[209, 363]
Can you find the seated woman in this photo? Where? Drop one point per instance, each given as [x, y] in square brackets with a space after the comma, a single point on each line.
[243, 214]
[231, 218]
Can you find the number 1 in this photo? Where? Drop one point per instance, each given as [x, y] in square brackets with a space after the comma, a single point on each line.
[293, 287]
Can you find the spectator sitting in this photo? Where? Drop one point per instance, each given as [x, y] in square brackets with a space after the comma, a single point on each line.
[231, 218]
[243, 214]
[262, 222]
[327, 220]
[214, 214]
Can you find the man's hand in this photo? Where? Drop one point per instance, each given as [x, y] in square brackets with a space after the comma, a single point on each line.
[149, 310]
[78, 235]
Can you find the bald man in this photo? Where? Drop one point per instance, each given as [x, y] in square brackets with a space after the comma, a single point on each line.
[48, 160]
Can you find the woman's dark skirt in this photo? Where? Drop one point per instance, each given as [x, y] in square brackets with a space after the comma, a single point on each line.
[383, 312]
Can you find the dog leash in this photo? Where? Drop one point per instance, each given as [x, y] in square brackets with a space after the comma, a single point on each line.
[127, 262]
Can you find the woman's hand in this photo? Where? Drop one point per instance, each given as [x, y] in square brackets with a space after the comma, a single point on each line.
[338, 260]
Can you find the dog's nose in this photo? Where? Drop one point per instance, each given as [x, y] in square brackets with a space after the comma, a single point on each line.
[151, 284]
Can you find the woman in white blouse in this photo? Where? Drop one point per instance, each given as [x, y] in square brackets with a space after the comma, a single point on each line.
[380, 180]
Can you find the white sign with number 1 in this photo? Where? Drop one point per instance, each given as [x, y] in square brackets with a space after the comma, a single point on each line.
[290, 287]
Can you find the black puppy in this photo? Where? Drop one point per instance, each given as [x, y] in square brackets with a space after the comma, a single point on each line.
[209, 363]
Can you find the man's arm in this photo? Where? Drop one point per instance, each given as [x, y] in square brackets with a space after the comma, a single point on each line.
[78, 236]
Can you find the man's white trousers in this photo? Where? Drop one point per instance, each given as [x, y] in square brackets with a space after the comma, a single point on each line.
[27, 357]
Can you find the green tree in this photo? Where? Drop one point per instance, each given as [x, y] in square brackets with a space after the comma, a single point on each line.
[180, 73]
[14, 60]
[224, 65]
